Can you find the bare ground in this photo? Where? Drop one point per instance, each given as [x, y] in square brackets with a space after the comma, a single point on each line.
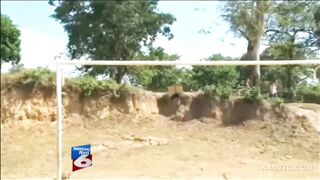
[138, 146]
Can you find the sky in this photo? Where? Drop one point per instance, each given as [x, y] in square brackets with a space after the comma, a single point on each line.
[43, 38]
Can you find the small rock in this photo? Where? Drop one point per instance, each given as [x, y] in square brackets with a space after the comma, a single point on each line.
[243, 162]
[288, 157]
[66, 176]
[224, 176]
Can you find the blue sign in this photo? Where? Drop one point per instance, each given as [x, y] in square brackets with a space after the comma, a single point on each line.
[78, 151]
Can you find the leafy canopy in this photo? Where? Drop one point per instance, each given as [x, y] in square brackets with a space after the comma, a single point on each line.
[215, 75]
[10, 42]
[156, 78]
[295, 25]
[113, 30]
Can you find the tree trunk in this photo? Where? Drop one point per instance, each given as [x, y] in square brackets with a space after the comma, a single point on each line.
[121, 71]
[255, 33]
[252, 54]
[289, 79]
[289, 70]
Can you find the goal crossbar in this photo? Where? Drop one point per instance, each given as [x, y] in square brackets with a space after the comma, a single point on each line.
[148, 63]
[192, 63]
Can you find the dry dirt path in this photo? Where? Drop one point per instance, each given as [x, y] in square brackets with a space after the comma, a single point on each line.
[136, 146]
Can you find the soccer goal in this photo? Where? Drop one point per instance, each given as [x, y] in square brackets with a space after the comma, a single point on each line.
[61, 64]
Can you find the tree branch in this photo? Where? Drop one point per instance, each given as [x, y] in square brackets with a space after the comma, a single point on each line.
[243, 34]
[302, 79]
[272, 30]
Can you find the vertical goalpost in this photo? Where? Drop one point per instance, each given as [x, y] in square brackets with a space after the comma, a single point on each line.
[59, 80]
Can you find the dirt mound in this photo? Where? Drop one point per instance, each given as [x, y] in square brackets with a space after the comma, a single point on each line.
[17, 105]
[157, 135]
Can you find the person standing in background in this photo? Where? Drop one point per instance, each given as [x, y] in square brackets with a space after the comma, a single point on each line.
[248, 83]
[273, 90]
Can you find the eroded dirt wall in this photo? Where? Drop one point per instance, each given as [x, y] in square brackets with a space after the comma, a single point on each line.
[19, 104]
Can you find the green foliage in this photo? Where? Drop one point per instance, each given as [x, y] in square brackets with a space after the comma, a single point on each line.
[90, 85]
[32, 78]
[309, 94]
[294, 23]
[16, 68]
[157, 78]
[254, 95]
[125, 90]
[246, 18]
[10, 42]
[277, 102]
[160, 77]
[292, 34]
[288, 77]
[111, 30]
[217, 91]
[221, 76]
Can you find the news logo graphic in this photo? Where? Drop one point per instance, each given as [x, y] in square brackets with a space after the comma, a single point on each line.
[81, 157]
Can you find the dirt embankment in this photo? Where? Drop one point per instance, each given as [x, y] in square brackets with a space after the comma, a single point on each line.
[19, 104]
[132, 136]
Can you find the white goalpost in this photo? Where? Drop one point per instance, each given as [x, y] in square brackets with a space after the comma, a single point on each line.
[59, 80]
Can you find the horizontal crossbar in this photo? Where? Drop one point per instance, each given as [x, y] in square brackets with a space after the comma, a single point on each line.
[193, 63]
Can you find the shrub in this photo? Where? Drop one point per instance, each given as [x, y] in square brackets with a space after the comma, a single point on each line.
[217, 91]
[32, 78]
[309, 94]
[90, 85]
[277, 102]
[254, 95]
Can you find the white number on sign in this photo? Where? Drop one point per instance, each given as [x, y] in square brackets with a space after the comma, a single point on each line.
[83, 161]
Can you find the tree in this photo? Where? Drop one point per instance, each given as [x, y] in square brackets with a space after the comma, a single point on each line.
[10, 42]
[218, 76]
[156, 78]
[292, 34]
[114, 30]
[295, 24]
[288, 77]
[248, 19]
[317, 22]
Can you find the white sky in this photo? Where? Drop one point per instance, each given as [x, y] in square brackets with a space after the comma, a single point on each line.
[42, 38]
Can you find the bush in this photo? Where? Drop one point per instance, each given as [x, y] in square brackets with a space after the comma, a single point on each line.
[309, 94]
[254, 95]
[32, 78]
[217, 91]
[277, 102]
[90, 85]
